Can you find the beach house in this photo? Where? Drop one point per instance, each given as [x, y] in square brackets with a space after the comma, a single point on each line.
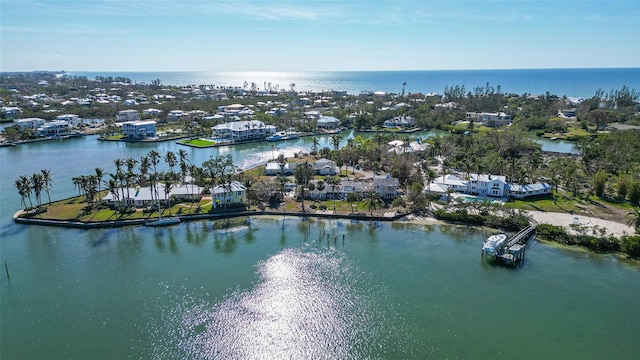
[386, 186]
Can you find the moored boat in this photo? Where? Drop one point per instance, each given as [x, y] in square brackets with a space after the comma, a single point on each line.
[163, 221]
[283, 135]
[493, 243]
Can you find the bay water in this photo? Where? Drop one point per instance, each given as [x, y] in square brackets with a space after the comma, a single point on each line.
[274, 287]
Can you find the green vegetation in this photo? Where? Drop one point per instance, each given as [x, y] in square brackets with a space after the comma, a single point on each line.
[596, 241]
[200, 143]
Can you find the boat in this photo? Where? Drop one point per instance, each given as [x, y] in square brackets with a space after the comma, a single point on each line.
[493, 243]
[283, 135]
[163, 221]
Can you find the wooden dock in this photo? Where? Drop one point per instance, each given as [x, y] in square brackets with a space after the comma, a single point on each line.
[512, 252]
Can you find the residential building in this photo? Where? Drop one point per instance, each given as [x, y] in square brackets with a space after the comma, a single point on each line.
[11, 112]
[400, 121]
[175, 115]
[73, 119]
[151, 112]
[243, 130]
[325, 167]
[146, 196]
[489, 119]
[232, 194]
[273, 168]
[386, 186]
[139, 129]
[484, 185]
[328, 123]
[127, 115]
[29, 123]
[56, 128]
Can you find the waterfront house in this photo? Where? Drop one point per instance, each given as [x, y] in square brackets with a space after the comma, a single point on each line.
[328, 123]
[243, 130]
[494, 120]
[127, 115]
[484, 185]
[386, 186]
[175, 115]
[273, 168]
[56, 128]
[139, 129]
[151, 112]
[145, 196]
[73, 119]
[234, 193]
[29, 123]
[399, 121]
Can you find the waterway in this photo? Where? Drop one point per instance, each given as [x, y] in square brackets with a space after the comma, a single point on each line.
[268, 288]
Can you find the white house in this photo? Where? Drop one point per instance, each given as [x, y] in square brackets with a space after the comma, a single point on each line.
[243, 130]
[55, 128]
[139, 129]
[325, 167]
[175, 115]
[151, 112]
[145, 196]
[400, 121]
[73, 119]
[485, 185]
[386, 186]
[273, 168]
[29, 123]
[234, 194]
[328, 122]
[489, 119]
[11, 112]
[127, 115]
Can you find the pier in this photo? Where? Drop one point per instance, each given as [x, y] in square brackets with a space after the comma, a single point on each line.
[512, 252]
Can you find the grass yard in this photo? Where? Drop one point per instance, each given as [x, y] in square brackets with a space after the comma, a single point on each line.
[201, 143]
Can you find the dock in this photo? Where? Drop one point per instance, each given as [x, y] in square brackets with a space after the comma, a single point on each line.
[512, 252]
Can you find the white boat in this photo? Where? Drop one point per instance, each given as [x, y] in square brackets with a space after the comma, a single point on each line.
[163, 221]
[493, 243]
[283, 135]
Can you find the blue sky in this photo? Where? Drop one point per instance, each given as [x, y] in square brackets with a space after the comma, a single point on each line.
[207, 35]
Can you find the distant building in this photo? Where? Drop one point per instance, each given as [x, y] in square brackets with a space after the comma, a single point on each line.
[128, 115]
[400, 121]
[494, 120]
[56, 128]
[386, 186]
[328, 123]
[73, 119]
[485, 185]
[29, 123]
[139, 129]
[11, 112]
[325, 167]
[151, 112]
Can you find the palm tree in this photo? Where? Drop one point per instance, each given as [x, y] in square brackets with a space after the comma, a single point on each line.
[333, 181]
[145, 165]
[372, 202]
[184, 159]
[25, 183]
[37, 184]
[335, 140]
[99, 176]
[48, 181]
[171, 160]
[315, 145]
[21, 191]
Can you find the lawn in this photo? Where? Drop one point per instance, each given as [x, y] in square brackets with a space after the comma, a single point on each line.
[198, 142]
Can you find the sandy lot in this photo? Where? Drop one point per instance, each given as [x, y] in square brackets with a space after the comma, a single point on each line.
[562, 219]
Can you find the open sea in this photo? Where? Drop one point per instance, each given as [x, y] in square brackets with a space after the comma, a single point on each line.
[570, 82]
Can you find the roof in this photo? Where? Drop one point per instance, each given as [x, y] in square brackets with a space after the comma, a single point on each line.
[328, 119]
[528, 187]
[240, 125]
[235, 186]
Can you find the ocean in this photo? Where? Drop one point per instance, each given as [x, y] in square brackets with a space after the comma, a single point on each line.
[570, 82]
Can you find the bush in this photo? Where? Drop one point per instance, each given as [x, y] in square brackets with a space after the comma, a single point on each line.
[631, 245]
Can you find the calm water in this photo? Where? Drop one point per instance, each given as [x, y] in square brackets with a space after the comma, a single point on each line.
[570, 82]
[269, 289]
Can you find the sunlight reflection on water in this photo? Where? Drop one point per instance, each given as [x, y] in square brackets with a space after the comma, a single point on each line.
[304, 305]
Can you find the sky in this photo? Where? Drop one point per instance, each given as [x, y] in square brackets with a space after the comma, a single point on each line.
[315, 35]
